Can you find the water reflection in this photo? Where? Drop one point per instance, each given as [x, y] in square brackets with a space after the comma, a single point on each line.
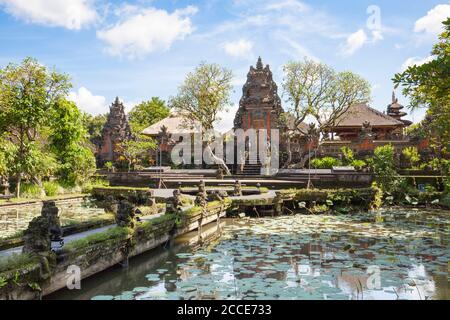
[298, 257]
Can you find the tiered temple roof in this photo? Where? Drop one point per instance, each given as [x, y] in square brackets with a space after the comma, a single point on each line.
[394, 111]
[350, 124]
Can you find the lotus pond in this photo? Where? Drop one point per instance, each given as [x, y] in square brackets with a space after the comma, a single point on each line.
[391, 254]
[14, 219]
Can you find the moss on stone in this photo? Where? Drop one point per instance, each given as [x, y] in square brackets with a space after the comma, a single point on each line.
[115, 233]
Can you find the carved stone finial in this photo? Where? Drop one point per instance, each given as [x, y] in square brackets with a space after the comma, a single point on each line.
[259, 64]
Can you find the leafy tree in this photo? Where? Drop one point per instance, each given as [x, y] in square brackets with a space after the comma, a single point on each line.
[411, 155]
[383, 163]
[428, 85]
[94, 126]
[147, 113]
[204, 93]
[27, 93]
[5, 156]
[315, 89]
[136, 151]
[70, 144]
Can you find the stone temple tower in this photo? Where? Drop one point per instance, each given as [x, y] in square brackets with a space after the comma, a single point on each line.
[116, 130]
[394, 110]
[260, 106]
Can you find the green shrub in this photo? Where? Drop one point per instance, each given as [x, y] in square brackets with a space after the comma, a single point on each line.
[51, 188]
[384, 168]
[358, 164]
[109, 165]
[347, 155]
[29, 190]
[411, 155]
[325, 163]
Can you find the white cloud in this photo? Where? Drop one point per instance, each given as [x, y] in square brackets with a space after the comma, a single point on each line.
[70, 14]
[354, 42]
[226, 119]
[416, 61]
[239, 48]
[432, 22]
[146, 31]
[289, 5]
[88, 102]
[92, 104]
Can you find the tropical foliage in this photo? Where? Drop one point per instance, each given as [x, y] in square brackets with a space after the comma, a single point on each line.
[147, 113]
[41, 132]
[428, 85]
[315, 89]
[203, 95]
[325, 163]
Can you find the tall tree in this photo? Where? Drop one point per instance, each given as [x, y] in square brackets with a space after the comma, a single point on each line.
[136, 151]
[147, 113]
[315, 89]
[204, 94]
[94, 126]
[27, 93]
[69, 142]
[428, 85]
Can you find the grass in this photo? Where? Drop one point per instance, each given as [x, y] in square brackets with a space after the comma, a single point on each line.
[29, 190]
[16, 261]
[51, 188]
[115, 233]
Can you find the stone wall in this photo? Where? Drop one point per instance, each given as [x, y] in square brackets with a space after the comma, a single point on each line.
[41, 275]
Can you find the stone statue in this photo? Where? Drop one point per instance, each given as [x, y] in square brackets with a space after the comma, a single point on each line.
[366, 131]
[237, 189]
[174, 203]
[202, 196]
[110, 204]
[126, 214]
[42, 230]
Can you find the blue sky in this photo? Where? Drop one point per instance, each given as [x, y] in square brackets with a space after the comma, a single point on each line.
[144, 48]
